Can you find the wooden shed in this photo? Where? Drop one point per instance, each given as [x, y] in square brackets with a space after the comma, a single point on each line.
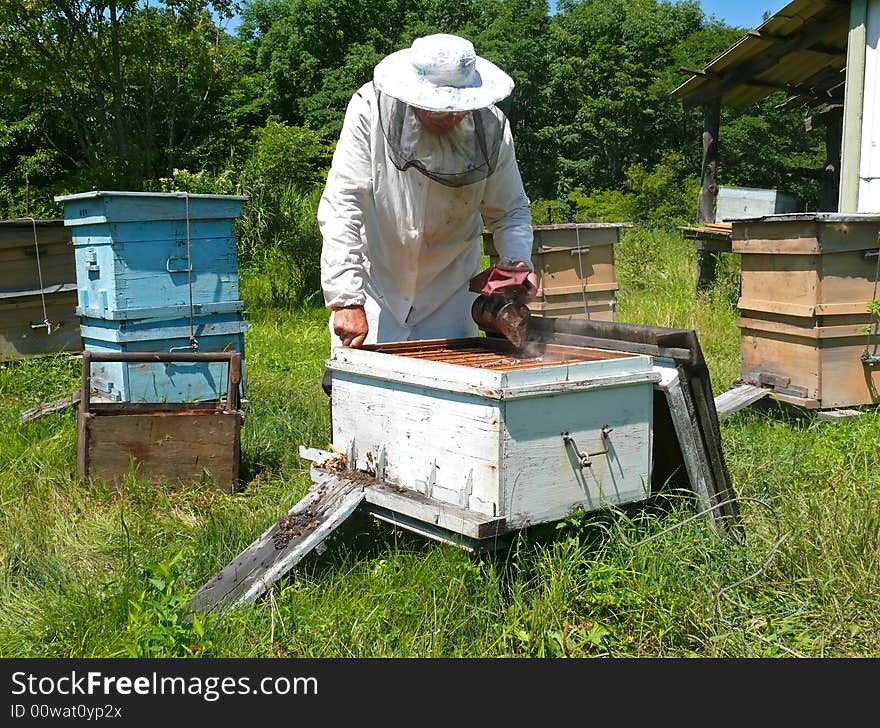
[808, 279]
[823, 54]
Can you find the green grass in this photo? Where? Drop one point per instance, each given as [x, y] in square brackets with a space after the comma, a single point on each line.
[85, 572]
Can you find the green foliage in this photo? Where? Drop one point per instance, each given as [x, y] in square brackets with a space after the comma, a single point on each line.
[110, 97]
[285, 156]
[665, 196]
[198, 183]
[159, 624]
[610, 74]
[91, 100]
[787, 158]
[281, 246]
[601, 206]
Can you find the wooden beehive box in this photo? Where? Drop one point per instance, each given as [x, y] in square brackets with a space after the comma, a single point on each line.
[471, 422]
[807, 280]
[31, 275]
[22, 330]
[162, 442]
[737, 203]
[164, 381]
[575, 266]
[18, 255]
[133, 259]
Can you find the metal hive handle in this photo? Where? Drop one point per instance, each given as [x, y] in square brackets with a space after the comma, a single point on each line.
[585, 458]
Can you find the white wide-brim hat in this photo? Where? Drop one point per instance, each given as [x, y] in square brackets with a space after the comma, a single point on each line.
[442, 73]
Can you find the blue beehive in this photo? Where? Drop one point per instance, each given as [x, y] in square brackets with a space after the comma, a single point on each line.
[157, 272]
[164, 382]
[151, 254]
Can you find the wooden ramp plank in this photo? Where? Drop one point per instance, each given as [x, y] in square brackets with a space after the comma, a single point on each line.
[438, 513]
[282, 546]
[838, 414]
[737, 398]
[48, 408]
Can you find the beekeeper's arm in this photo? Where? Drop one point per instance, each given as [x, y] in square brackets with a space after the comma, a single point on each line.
[506, 213]
[340, 214]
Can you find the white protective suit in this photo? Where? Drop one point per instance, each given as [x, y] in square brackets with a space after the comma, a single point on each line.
[404, 246]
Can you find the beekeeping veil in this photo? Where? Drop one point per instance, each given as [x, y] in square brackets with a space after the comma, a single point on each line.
[442, 74]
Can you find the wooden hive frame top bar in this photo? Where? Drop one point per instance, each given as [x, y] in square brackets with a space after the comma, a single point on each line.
[492, 353]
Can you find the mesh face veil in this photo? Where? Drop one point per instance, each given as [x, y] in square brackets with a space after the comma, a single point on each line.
[465, 154]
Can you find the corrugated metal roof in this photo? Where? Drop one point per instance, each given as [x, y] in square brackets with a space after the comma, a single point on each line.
[800, 50]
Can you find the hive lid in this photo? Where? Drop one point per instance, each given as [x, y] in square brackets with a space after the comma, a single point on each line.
[831, 217]
[102, 206]
[806, 233]
[94, 194]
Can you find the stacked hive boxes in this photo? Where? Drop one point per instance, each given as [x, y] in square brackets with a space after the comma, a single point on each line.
[575, 267]
[157, 272]
[37, 285]
[807, 280]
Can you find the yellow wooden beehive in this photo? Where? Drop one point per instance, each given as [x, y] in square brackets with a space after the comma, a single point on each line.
[807, 280]
[577, 278]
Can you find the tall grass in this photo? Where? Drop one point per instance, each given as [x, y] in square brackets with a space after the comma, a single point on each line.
[79, 564]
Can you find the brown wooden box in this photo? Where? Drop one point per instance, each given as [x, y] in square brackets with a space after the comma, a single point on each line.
[597, 306]
[571, 260]
[19, 271]
[807, 280]
[171, 442]
[30, 272]
[21, 317]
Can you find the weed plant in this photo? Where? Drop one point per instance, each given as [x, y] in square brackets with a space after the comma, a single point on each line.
[90, 571]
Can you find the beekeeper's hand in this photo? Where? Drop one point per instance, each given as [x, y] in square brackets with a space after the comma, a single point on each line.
[350, 325]
[532, 278]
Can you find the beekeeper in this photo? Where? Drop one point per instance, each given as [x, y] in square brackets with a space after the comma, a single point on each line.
[425, 160]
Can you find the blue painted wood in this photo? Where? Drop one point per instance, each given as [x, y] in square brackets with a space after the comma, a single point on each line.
[129, 382]
[138, 251]
[168, 312]
[111, 206]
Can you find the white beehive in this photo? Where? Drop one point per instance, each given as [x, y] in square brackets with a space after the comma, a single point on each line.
[471, 423]
[737, 203]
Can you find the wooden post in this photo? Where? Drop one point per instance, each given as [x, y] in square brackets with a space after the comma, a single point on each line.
[831, 171]
[707, 262]
[853, 103]
[869, 163]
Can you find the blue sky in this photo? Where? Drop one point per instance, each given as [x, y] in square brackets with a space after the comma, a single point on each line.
[742, 13]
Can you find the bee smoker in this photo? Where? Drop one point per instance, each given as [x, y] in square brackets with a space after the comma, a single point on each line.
[500, 307]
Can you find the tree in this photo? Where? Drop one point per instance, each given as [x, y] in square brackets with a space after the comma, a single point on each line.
[117, 90]
[609, 74]
[312, 55]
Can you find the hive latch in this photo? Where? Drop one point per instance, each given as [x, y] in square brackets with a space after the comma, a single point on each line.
[585, 458]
